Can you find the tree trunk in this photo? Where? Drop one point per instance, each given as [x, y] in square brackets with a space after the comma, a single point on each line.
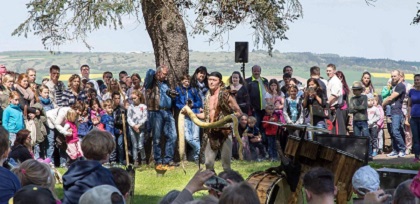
[167, 31]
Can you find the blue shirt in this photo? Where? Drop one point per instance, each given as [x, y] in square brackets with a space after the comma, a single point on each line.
[165, 100]
[415, 102]
[293, 109]
[185, 94]
[13, 118]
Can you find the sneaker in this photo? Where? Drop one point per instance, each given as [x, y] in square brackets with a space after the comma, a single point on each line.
[374, 154]
[401, 154]
[392, 154]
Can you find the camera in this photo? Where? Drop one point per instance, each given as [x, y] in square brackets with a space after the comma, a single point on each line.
[172, 93]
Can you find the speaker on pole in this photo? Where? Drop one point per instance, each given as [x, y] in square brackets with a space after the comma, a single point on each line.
[241, 52]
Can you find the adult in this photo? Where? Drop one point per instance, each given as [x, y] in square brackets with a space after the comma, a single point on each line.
[319, 186]
[6, 89]
[56, 87]
[335, 99]
[367, 83]
[286, 79]
[315, 73]
[346, 92]
[85, 72]
[413, 115]
[31, 72]
[238, 88]
[199, 81]
[122, 75]
[114, 86]
[395, 128]
[74, 92]
[219, 103]
[189, 96]
[246, 152]
[314, 96]
[106, 76]
[27, 96]
[128, 82]
[287, 70]
[22, 149]
[56, 119]
[136, 79]
[9, 184]
[407, 129]
[365, 179]
[257, 87]
[159, 105]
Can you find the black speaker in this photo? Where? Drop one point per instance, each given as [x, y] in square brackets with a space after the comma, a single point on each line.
[241, 52]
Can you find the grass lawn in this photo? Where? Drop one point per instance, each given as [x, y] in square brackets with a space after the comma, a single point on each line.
[149, 188]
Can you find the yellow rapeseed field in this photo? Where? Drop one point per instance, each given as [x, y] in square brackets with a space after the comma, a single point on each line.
[388, 75]
[65, 77]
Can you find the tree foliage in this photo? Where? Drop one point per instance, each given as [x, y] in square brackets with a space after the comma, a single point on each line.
[60, 21]
[416, 19]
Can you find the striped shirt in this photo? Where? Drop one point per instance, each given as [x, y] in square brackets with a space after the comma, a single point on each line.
[56, 93]
[70, 99]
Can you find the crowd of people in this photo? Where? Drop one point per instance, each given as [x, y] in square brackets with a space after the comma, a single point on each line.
[50, 122]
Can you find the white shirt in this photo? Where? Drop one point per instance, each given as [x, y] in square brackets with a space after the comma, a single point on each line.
[335, 88]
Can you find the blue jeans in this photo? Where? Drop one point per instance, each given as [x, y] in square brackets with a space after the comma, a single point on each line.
[50, 143]
[137, 144]
[272, 148]
[320, 124]
[360, 128]
[163, 120]
[388, 110]
[396, 130]
[192, 136]
[119, 141]
[415, 132]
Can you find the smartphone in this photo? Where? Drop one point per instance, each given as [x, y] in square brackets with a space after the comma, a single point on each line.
[216, 183]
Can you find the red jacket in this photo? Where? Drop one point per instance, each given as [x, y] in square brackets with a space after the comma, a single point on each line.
[270, 130]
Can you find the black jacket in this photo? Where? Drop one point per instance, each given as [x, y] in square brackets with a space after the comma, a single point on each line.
[20, 153]
[254, 92]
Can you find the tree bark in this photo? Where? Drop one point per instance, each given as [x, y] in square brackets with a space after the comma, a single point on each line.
[167, 31]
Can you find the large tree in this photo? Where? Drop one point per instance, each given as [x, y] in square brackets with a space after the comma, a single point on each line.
[61, 21]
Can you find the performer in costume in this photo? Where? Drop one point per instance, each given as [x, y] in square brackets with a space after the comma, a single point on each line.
[218, 103]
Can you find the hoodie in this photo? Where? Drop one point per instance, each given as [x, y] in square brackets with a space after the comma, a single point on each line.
[13, 118]
[82, 176]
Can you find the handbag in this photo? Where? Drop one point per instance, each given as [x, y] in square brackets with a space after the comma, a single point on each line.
[320, 111]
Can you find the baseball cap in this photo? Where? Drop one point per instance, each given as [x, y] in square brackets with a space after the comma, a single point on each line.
[32, 194]
[366, 179]
[103, 194]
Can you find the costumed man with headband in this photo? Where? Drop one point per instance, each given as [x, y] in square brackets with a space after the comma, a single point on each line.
[218, 103]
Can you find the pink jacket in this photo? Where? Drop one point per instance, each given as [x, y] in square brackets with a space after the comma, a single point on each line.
[73, 138]
[381, 119]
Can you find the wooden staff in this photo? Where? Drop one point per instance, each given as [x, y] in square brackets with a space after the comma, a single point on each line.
[125, 140]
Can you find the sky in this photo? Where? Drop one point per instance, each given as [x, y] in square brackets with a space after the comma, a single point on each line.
[346, 27]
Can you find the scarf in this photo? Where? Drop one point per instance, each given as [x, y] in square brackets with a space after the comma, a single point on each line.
[201, 85]
[263, 91]
[45, 101]
[27, 93]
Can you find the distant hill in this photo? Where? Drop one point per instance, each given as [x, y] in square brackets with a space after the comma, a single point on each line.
[221, 61]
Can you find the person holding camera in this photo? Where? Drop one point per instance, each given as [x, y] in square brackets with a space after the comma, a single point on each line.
[315, 104]
[189, 96]
[159, 98]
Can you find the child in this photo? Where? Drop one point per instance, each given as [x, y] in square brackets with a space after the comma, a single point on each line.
[373, 118]
[136, 118]
[12, 119]
[84, 124]
[46, 103]
[96, 112]
[86, 174]
[108, 120]
[358, 106]
[380, 123]
[271, 131]
[292, 109]
[386, 91]
[72, 140]
[122, 180]
[254, 138]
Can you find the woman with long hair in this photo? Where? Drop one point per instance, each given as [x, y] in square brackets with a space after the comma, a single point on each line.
[114, 86]
[274, 96]
[346, 92]
[314, 96]
[27, 96]
[199, 81]
[238, 87]
[74, 92]
[367, 83]
[6, 88]
[22, 149]
[136, 80]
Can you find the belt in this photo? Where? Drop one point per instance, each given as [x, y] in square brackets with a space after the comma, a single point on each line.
[164, 108]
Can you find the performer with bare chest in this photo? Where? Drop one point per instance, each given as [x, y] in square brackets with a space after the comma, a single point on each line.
[218, 103]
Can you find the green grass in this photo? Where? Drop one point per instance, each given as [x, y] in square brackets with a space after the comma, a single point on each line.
[149, 188]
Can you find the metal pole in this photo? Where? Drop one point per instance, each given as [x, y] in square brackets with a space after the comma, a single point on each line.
[243, 69]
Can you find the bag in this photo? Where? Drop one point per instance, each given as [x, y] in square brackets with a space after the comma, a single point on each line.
[60, 141]
[320, 111]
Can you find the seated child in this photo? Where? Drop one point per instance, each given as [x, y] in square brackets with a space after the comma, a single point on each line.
[86, 174]
[254, 138]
